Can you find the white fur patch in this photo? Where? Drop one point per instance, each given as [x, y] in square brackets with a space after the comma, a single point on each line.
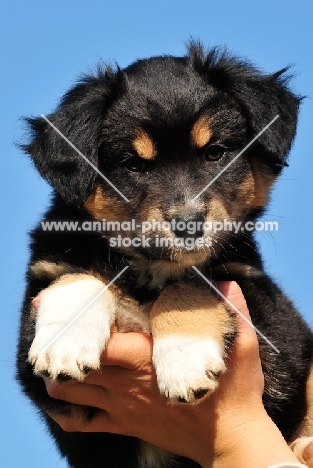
[81, 334]
[187, 365]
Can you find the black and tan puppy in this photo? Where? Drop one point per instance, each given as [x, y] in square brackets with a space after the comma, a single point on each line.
[156, 134]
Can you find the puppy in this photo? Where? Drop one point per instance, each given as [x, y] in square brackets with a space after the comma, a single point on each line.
[145, 163]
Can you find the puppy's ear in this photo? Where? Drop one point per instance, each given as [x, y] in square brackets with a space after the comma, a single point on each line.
[78, 117]
[262, 97]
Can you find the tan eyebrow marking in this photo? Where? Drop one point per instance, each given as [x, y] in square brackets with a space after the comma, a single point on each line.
[201, 132]
[144, 146]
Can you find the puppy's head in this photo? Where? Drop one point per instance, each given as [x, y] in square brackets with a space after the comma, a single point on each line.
[164, 133]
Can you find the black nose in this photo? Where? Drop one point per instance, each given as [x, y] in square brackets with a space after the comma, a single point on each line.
[189, 225]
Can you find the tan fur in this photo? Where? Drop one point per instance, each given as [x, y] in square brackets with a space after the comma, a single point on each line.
[246, 194]
[263, 183]
[254, 191]
[186, 310]
[144, 146]
[54, 271]
[33, 313]
[201, 132]
[216, 211]
[102, 206]
[150, 214]
[51, 270]
[131, 316]
[67, 279]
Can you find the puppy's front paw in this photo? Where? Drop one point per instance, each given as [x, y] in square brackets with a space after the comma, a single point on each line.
[72, 328]
[187, 367]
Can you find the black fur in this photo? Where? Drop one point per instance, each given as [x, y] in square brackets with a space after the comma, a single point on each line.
[165, 96]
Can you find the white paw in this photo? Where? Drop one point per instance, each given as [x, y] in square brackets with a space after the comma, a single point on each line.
[187, 367]
[71, 329]
[303, 449]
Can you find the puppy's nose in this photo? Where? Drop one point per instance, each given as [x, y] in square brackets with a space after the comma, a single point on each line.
[189, 225]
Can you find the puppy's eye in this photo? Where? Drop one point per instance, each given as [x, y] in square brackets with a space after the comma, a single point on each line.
[136, 164]
[214, 152]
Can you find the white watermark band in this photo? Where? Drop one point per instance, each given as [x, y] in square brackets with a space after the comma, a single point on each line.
[188, 227]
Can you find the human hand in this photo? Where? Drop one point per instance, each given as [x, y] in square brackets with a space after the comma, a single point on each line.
[228, 428]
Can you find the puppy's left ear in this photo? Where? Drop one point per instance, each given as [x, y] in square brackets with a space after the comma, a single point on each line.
[261, 97]
[78, 118]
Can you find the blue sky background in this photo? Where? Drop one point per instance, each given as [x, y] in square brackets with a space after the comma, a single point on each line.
[44, 47]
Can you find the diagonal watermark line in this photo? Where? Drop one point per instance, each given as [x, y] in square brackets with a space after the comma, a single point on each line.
[236, 310]
[235, 158]
[82, 311]
[84, 157]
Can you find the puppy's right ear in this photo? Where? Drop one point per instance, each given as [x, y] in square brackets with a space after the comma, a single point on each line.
[79, 118]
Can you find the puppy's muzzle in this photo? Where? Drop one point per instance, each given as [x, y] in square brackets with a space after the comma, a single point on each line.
[189, 225]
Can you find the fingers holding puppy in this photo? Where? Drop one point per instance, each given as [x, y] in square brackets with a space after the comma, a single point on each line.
[126, 387]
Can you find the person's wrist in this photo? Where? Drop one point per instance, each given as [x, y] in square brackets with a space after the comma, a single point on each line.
[256, 442]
